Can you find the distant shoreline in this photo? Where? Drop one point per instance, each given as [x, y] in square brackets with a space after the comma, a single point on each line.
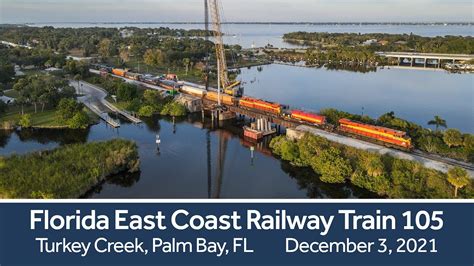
[265, 23]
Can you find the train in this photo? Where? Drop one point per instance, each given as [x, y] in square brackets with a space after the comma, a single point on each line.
[308, 117]
[381, 135]
[168, 81]
[387, 136]
[254, 103]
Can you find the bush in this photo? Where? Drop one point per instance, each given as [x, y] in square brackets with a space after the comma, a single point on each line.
[25, 121]
[174, 109]
[452, 137]
[68, 108]
[146, 111]
[79, 121]
[126, 92]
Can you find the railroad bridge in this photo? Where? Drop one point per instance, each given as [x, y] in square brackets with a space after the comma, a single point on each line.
[254, 114]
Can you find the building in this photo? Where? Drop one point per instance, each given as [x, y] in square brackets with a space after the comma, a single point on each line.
[369, 42]
[192, 104]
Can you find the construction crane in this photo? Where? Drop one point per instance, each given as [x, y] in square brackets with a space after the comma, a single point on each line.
[228, 87]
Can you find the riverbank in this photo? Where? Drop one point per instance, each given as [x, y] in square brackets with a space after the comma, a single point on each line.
[47, 119]
[65, 172]
[383, 174]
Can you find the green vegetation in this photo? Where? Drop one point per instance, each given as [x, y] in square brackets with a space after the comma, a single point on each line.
[25, 121]
[65, 172]
[382, 174]
[459, 178]
[37, 99]
[450, 143]
[353, 50]
[174, 109]
[386, 42]
[72, 114]
[44, 90]
[144, 102]
[156, 50]
[438, 122]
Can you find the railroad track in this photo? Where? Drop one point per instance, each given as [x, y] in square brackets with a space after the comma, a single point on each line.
[438, 158]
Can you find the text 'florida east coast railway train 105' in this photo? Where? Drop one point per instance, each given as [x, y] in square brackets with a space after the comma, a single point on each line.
[383, 135]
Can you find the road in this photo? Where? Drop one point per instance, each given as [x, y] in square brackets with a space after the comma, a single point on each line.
[93, 98]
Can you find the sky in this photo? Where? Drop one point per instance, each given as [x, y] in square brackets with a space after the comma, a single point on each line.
[37, 11]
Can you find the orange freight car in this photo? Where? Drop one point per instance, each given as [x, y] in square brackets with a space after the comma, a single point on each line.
[119, 72]
[383, 134]
[262, 105]
[225, 99]
[308, 117]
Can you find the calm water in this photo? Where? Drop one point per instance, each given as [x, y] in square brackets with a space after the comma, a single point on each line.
[415, 95]
[259, 35]
[180, 169]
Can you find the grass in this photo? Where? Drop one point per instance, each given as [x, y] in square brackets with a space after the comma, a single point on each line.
[45, 119]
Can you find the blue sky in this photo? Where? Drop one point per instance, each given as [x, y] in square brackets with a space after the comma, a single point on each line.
[14, 11]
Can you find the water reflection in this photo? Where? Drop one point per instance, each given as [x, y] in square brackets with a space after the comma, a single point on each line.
[59, 136]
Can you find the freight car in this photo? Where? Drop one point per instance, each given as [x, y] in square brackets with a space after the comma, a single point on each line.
[193, 90]
[308, 117]
[119, 72]
[168, 84]
[253, 103]
[225, 99]
[387, 136]
[133, 76]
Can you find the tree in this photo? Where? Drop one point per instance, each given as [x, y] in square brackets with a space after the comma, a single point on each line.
[174, 109]
[332, 166]
[459, 178]
[80, 120]
[7, 72]
[453, 137]
[67, 109]
[154, 57]
[438, 122]
[124, 54]
[126, 92]
[186, 63]
[25, 121]
[151, 97]
[146, 111]
[21, 86]
[105, 48]
[3, 107]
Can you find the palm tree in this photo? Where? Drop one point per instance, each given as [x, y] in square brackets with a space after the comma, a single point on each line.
[438, 122]
[186, 63]
[459, 178]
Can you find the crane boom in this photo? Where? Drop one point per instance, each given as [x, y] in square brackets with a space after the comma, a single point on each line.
[232, 88]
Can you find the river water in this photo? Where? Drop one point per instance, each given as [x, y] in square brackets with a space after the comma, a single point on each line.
[180, 168]
[413, 94]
